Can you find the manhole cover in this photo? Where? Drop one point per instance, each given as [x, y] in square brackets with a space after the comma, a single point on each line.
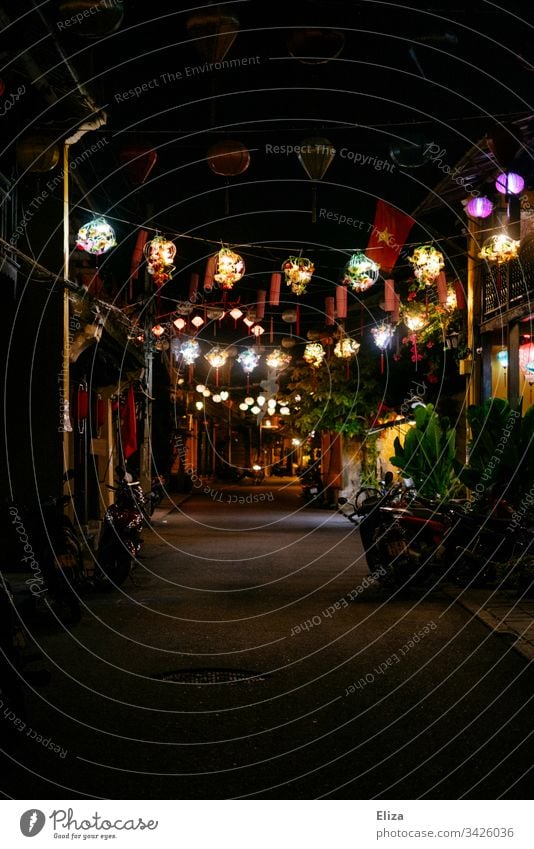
[210, 676]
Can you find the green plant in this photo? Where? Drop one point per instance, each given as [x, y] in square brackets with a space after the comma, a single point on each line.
[501, 451]
[427, 455]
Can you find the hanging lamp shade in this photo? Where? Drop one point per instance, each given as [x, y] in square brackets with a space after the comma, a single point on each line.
[499, 248]
[213, 34]
[298, 272]
[427, 263]
[160, 253]
[190, 351]
[37, 154]
[314, 354]
[360, 272]
[315, 46]
[278, 359]
[229, 268]
[510, 183]
[346, 348]
[216, 357]
[94, 18]
[248, 360]
[316, 156]
[228, 158]
[480, 207]
[96, 237]
[526, 361]
[137, 161]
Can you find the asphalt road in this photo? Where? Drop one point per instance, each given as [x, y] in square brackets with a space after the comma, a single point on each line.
[343, 692]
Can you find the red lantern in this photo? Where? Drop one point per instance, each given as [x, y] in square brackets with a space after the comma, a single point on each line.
[213, 34]
[341, 301]
[260, 308]
[329, 311]
[138, 161]
[228, 158]
[276, 280]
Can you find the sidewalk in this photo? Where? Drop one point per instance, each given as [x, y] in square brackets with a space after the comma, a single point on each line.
[503, 612]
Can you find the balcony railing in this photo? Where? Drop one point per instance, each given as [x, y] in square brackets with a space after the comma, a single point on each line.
[510, 285]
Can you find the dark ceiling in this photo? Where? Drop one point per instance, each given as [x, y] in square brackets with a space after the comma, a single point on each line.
[417, 73]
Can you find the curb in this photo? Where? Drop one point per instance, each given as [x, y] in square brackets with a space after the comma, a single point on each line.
[500, 614]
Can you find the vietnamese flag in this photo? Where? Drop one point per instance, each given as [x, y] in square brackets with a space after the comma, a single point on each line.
[129, 425]
[388, 236]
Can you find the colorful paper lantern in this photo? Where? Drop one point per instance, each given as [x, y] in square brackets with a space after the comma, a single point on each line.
[96, 237]
[298, 272]
[229, 268]
[382, 334]
[159, 253]
[481, 207]
[216, 357]
[248, 360]
[190, 351]
[360, 272]
[346, 348]
[499, 248]
[427, 263]
[278, 359]
[314, 354]
[510, 183]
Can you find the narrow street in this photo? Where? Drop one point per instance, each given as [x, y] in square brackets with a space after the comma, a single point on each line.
[344, 693]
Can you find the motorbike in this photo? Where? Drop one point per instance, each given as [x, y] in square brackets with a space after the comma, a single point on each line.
[120, 540]
[312, 486]
[156, 494]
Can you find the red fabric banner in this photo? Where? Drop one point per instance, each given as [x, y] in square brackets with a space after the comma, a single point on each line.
[388, 235]
[129, 425]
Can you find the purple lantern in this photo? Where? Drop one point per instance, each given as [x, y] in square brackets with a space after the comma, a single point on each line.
[510, 184]
[479, 207]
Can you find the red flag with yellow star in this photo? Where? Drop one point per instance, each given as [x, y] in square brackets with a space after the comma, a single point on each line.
[388, 235]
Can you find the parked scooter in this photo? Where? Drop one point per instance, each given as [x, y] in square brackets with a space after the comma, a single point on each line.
[312, 486]
[120, 541]
[156, 494]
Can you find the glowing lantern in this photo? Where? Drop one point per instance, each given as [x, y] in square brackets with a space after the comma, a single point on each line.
[159, 253]
[37, 154]
[158, 330]
[216, 358]
[179, 323]
[217, 399]
[314, 354]
[190, 351]
[249, 401]
[229, 268]
[346, 348]
[499, 248]
[278, 359]
[480, 207]
[382, 334]
[243, 407]
[248, 360]
[360, 272]
[413, 319]
[197, 321]
[526, 361]
[502, 358]
[224, 395]
[427, 263]
[96, 237]
[510, 184]
[236, 313]
[298, 272]
[257, 330]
